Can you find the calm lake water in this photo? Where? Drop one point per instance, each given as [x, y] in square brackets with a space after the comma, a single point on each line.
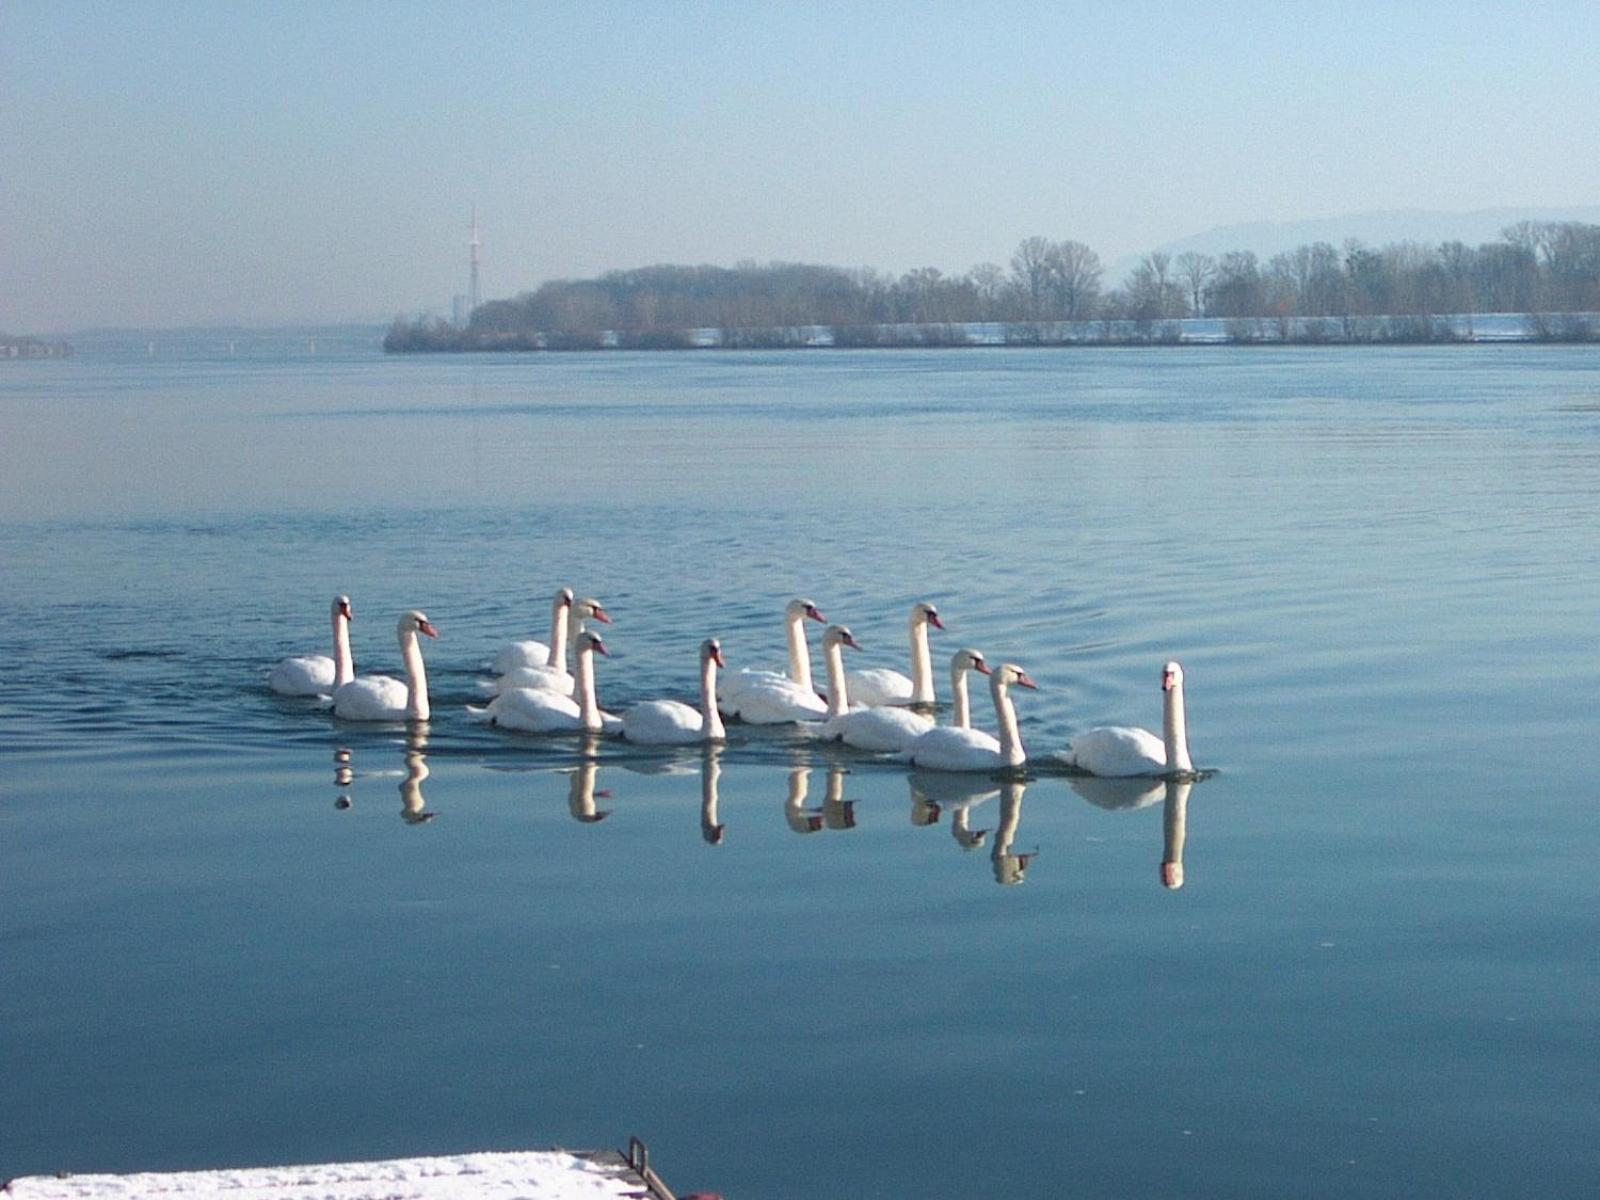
[799, 972]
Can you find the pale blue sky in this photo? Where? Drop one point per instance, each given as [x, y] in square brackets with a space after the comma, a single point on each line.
[167, 163]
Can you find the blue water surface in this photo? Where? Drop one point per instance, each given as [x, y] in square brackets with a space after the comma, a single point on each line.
[236, 931]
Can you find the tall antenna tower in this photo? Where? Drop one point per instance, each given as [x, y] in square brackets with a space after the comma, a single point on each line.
[472, 288]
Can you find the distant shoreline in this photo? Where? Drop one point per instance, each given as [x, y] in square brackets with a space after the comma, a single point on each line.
[1456, 329]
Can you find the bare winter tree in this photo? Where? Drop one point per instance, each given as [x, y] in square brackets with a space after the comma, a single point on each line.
[1031, 268]
[1196, 270]
[1075, 274]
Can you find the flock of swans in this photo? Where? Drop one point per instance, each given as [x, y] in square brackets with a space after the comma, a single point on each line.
[534, 691]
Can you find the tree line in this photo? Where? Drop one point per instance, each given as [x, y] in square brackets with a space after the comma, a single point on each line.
[1317, 292]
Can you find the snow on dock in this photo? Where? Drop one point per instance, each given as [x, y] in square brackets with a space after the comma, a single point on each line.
[515, 1175]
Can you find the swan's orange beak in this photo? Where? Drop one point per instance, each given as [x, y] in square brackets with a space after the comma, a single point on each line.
[848, 640]
[716, 657]
[933, 619]
[815, 614]
[427, 628]
[599, 614]
[982, 668]
[600, 648]
[1024, 681]
[344, 611]
[1167, 681]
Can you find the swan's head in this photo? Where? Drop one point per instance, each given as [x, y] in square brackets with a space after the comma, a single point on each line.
[840, 635]
[927, 614]
[589, 641]
[1171, 677]
[1011, 675]
[591, 609]
[969, 660]
[804, 609]
[564, 598]
[711, 651]
[341, 608]
[1172, 875]
[416, 621]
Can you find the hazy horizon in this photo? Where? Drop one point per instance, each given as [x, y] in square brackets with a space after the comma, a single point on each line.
[186, 165]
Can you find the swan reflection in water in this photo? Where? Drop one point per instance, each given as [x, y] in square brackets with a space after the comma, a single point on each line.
[581, 793]
[837, 812]
[1141, 793]
[1009, 868]
[413, 807]
[932, 792]
[1175, 821]
[800, 818]
[711, 826]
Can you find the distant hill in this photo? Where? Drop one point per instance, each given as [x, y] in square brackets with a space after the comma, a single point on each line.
[1267, 238]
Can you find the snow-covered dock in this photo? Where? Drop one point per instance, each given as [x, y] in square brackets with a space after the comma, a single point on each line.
[515, 1175]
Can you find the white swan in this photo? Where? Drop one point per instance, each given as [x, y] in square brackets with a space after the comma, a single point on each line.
[532, 710]
[732, 687]
[380, 698]
[553, 676]
[1116, 751]
[674, 723]
[948, 748]
[317, 674]
[879, 686]
[533, 653]
[961, 662]
[865, 728]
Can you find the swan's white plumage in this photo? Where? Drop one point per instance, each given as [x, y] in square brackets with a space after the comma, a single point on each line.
[774, 702]
[531, 710]
[880, 729]
[947, 748]
[879, 686]
[771, 709]
[318, 674]
[673, 723]
[1118, 751]
[534, 653]
[382, 698]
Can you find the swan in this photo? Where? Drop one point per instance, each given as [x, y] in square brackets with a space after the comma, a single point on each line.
[532, 710]
[553, 675]
[879, 686]
[948, 748]
[673, 723]
[961, 662]
[317, 674]
[864, 728]
[535, 653]
[1116, 751]
[795, 614]
[380, 698]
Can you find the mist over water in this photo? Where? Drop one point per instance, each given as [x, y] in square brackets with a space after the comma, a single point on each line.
[238, 931]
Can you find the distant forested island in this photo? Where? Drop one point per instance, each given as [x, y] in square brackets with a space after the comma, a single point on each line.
[32, 347]
[1546, 274]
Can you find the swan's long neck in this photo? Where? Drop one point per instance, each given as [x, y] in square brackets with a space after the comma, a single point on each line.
[1175, 730]
[416, 677]
[921, 664]
[961, 711]
[838, 693]
[559, 619]
[344, 667]
[799, 651]
[1011, 751]
[588, 706]
[714, 729]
